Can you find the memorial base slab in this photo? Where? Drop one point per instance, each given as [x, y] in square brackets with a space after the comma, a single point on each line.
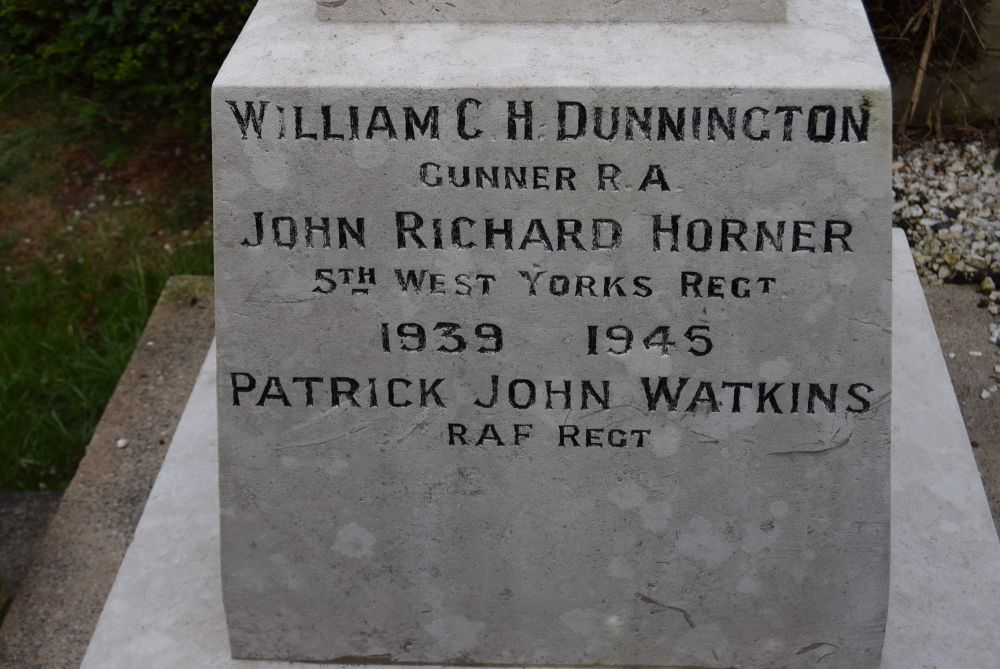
[165, 609]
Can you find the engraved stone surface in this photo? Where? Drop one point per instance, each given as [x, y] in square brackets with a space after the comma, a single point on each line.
[944, 604]
[554, 345]
[513, 11]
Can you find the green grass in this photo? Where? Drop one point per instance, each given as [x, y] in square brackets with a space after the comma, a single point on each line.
[84, 253]
[65, 339]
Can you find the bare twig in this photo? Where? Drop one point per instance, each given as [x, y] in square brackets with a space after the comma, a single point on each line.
[918, 84]
[915, 20]
[972, 24]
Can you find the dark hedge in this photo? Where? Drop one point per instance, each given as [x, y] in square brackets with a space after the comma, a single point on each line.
[130, 61]
[139, 61]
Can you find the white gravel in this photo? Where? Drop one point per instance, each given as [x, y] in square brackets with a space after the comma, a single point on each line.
[948, 202]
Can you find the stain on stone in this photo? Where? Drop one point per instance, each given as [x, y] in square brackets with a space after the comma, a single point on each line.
[666, 607]
[364, 659]
[819, 451]
[354, 541]
[455, 633]
[815, 646]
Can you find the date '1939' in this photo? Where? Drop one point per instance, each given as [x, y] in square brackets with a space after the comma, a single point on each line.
[443, 338]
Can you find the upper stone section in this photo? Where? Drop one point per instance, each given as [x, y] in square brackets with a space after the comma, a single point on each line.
[552, 11]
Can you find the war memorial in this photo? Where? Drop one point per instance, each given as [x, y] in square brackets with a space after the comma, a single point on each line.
[559, 334]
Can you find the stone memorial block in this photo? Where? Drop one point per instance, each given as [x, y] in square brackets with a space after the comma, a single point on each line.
[554, 343]
[551, 11]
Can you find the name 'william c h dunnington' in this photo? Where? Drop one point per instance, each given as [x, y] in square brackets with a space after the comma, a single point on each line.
[572, 120]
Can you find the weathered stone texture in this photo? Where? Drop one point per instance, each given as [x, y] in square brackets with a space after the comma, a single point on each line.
[397, 486]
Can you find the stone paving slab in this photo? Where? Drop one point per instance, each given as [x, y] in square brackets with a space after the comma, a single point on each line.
[53, 616]
[963, 330]
[944, 603]
[165, 609]
[24, 516]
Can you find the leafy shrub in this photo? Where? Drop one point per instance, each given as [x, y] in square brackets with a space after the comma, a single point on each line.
[128, 61]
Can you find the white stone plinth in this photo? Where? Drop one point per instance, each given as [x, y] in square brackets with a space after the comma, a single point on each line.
[165, 610]
[728, 529]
